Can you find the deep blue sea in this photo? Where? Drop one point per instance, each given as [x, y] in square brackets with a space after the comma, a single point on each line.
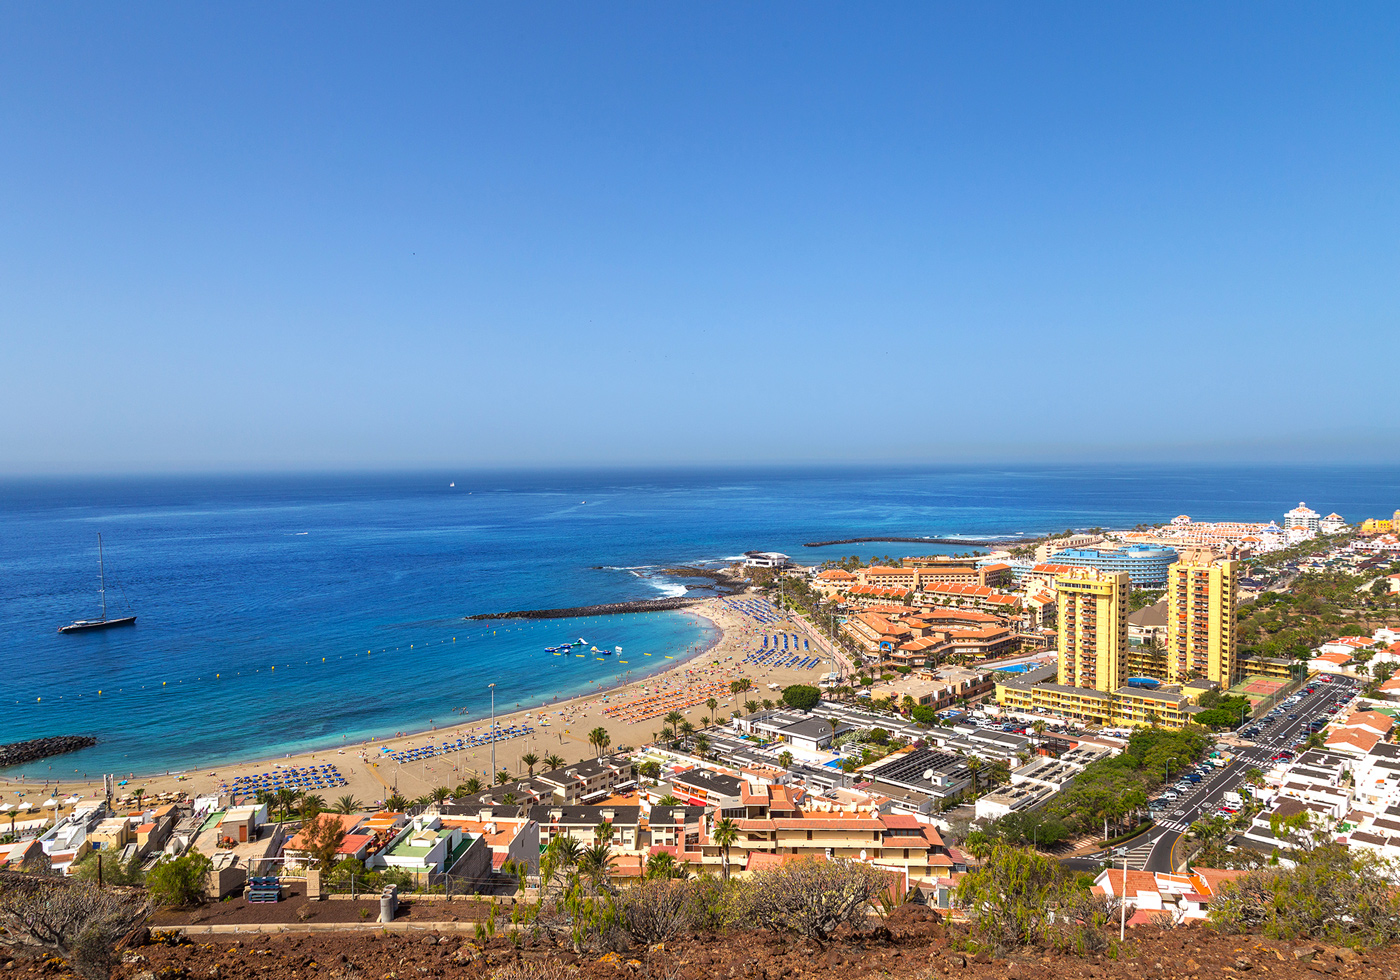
[353, 587]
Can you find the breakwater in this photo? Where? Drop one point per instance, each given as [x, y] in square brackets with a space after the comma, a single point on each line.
[41, 748]
[966, 542]
[606, 609]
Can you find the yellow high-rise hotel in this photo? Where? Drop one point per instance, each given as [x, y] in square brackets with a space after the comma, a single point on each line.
[1097, 675]
[1201, 634]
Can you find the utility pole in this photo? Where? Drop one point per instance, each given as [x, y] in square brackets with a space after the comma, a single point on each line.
[1123, 899]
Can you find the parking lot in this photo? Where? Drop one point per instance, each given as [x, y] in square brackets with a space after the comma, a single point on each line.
[1276, 737]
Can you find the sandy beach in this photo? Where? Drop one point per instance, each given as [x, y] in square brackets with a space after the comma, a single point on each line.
[559, 728]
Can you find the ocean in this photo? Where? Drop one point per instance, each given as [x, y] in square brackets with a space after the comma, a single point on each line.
[279, 613]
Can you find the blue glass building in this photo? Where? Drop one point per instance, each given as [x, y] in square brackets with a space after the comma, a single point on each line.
[1145, 565]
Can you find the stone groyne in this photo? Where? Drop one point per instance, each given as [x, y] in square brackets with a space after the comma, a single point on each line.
[41, 748]
[606, 609]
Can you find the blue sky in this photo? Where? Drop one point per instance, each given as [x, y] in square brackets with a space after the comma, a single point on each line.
[340, 235]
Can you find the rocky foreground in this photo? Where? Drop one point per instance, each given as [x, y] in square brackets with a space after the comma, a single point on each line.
[918, 947]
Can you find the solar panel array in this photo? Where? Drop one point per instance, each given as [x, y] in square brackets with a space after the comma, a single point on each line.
[910, 767]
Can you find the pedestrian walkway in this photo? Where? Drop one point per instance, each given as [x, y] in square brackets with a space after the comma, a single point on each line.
[1138, 855]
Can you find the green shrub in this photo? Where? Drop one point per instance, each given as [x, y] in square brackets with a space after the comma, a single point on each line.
[180, 882]
[802, 697]
[1018, 898]
[1331, 893]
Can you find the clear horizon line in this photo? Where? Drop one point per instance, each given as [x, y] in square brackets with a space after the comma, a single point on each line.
[465, 470]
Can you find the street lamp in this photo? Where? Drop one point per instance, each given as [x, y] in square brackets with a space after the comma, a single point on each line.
[492, 688]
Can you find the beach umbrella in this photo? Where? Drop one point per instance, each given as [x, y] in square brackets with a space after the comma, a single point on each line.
[6, 807]
[49, 802]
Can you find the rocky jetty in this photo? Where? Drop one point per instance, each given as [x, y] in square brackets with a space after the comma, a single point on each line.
[971, 542]
[41, 748]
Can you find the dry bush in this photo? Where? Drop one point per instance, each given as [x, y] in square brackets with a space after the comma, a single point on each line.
[656, 911]
[809, 897]
[75, 920]
[532, 970]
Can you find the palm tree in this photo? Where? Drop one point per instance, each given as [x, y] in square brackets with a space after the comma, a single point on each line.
[744, 684]
[309, 804]
[702, 744]
[530, 760]
[785, 758]
[974, 766]
[347, 804]
[554, 761]
[595, 864]
[568, 849]
[559, 858]
[138, 794]
[283, 800]
[1038, 727]
[396, 801]
[423, 800]
[441, 793]
[978, 844]
[509, 799]
[687, 728]
[704, 721]
[604, 831]
[472, 786]
[661, 865]
[502, 777]
[668, 800]
[767, 704]
[725, 834]
[750, 706]
[599, 739]
[674, 719]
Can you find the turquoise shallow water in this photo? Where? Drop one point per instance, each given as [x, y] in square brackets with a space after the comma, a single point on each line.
[354, 587]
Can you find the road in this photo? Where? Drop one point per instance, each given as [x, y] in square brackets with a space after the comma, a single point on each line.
[1158, 850]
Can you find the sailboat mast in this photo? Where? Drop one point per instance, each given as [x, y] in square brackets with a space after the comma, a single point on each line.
[101, 578]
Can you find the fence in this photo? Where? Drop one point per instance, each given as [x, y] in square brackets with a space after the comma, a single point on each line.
[438, 885]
